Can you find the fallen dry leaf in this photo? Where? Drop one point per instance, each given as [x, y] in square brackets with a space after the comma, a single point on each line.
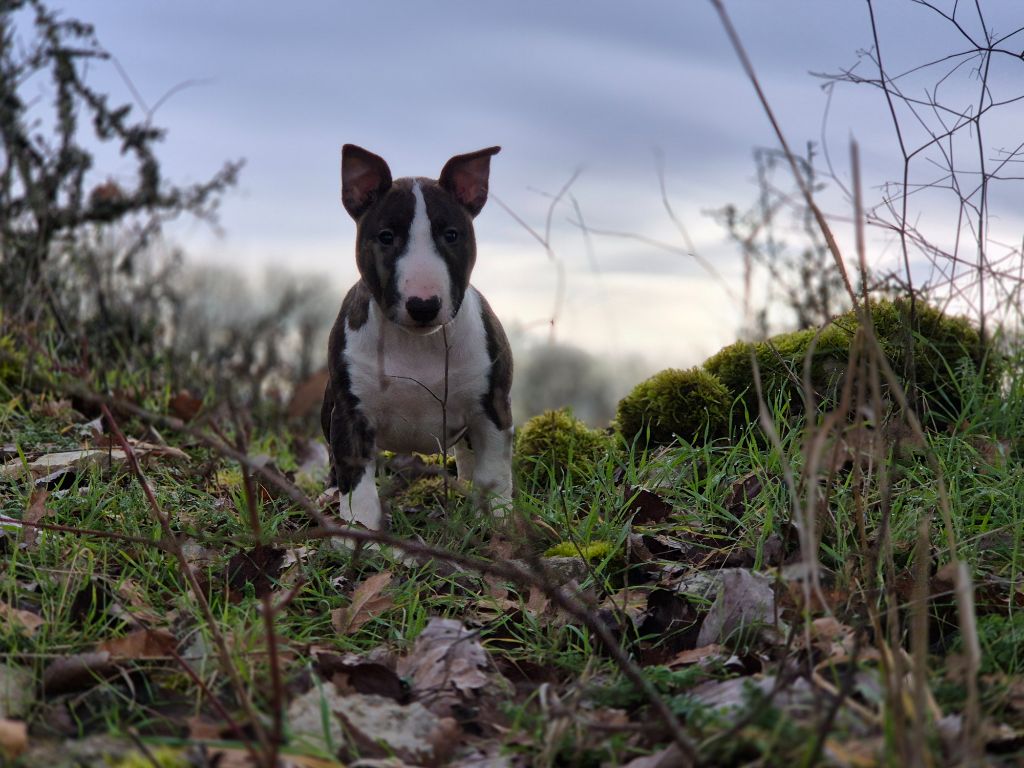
[75, 673]
[745, 601]
[13, 738]
[697, 655]
[141, 644]
[50, 463]
[646, 506]
[445, 666]
[36, 511]
[367, 603]
[371, 726]
[185, 406]
[27, 620]
[352, 673]
[260, 567]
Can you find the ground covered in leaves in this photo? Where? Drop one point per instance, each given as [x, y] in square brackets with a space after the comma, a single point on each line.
[211, 622]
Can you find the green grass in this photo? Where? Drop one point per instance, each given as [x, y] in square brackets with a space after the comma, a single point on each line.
[84, 587]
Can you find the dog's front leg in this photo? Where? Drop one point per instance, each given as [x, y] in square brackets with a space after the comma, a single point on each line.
[354, 452]
[492, 464]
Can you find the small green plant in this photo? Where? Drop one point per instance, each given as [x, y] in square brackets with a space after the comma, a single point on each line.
[557, 445]
[674, 403]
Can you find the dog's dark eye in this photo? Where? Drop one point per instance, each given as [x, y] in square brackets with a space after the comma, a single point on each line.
[386, 237]
[451, 235]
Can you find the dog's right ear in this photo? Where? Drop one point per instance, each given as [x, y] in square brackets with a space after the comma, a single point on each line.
[364, 178]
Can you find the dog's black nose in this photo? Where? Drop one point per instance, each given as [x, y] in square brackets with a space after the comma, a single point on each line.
[423, 310]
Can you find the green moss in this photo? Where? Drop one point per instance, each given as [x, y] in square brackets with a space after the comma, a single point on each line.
[595, 550]
[422, 493]
[12, 362]
[674, 403]
[937, 343]
[940, 346]
[555, 442]
[780, 361]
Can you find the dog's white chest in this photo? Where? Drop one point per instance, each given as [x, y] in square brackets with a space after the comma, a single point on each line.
[415, 394]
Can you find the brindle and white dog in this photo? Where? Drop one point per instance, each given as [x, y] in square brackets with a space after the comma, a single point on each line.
[417, 359]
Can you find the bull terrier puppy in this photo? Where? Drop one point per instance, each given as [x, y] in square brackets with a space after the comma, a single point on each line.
[417, 359]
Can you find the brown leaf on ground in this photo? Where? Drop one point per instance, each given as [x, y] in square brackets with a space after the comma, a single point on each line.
[367, 602]
[26, 620]
[446, 666]
[13, 739]
[78, 672]
[134, 607]
[36, 511]
[743, 491]
[646, 506]
[831, 637]
[185, 405]
[371, 726]
[260, 566]
[352, 673]
[51, 463]
[745, 602]
[697, 655]
[141, 644]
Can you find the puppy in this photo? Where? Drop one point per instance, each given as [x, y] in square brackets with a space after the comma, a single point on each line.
[417, 359]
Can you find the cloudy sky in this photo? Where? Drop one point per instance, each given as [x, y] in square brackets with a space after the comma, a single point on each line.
[598, 88]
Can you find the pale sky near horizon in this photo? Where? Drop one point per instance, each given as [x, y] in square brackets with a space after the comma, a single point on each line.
[562, 88]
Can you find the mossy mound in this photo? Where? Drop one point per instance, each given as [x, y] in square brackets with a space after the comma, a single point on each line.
[557, 443]
[675, 403]
[942, 345]
[780, 361]
[937, 344]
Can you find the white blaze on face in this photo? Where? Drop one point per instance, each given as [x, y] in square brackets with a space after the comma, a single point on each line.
[420, 270]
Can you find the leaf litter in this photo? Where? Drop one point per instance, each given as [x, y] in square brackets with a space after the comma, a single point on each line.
[707, 615]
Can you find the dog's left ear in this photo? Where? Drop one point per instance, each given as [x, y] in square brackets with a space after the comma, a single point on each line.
[465, 176]
[364, 178]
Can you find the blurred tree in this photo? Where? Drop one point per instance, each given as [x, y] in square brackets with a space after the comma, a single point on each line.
[789, 247]
[553, 376]
[52, 198]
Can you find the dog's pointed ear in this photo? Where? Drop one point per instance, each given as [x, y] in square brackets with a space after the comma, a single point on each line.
[364, 178]
[465, 176]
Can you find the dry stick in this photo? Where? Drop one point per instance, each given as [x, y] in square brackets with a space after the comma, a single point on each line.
[805, 190]
[249, 487]
[160, 543]
[204, 606]
[919, 641]
[545, 241]
[509, 570]
[906, 172]
[275, 679]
